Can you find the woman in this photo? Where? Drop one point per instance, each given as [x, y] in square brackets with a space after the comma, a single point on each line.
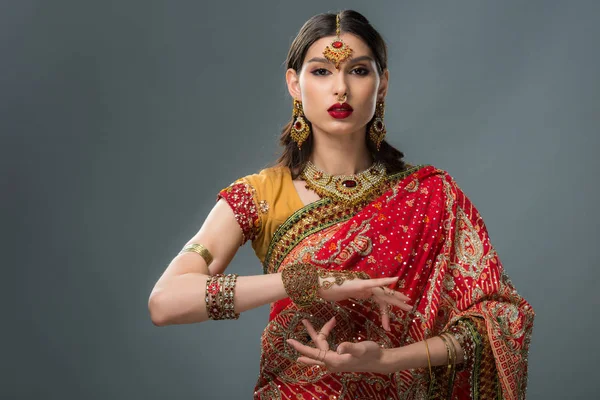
[391, 261]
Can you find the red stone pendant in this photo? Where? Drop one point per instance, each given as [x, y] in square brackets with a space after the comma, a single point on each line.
[349, 183]
[337, 44]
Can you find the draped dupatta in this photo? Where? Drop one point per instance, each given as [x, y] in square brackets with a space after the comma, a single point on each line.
[424, 230]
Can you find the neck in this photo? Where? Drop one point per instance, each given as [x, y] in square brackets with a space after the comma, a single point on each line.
[341, 155]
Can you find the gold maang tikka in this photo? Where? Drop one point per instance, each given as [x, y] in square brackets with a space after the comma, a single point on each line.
[338, 51]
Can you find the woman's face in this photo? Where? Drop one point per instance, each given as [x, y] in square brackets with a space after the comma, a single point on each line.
[319, 84]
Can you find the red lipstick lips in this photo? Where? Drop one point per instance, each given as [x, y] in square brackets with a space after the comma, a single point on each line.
[340, 111]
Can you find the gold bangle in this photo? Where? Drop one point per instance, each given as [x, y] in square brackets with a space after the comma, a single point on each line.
[452, 347]
[428, 360]
[227, 299]
[213, 290]
[445, 340]
[219, 297]
[199, 249]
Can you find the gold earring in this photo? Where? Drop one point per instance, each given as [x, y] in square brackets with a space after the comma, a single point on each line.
[300, 128]
[377, 130]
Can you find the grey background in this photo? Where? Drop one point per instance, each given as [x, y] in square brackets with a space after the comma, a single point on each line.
[120, 121]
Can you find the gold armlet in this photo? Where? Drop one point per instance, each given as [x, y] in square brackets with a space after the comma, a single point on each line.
[199, 249]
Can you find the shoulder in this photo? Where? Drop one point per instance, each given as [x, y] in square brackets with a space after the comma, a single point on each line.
[450, 192]
[442, 180]
[259, 180]
[267, 180]
[428, 173]
[272, 174]
[425, 181]
[421, 174]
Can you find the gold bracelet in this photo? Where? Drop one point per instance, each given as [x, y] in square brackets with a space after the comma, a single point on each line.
[213, 288]
[219, 297]
[227, 299]
[199, 249]
[428, 360]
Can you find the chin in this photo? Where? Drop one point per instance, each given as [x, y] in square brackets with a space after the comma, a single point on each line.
[343, 127]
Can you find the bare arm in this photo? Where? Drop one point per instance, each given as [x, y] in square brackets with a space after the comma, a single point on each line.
[178, 296]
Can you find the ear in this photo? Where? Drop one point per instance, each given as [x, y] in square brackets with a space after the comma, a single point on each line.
[383, 85]
[293, 83]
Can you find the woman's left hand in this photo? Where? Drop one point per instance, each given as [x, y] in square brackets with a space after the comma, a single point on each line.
[350, 357]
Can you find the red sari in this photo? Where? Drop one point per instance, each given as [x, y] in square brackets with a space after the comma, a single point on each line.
[426, 231]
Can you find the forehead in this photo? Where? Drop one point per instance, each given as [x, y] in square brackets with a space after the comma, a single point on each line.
[358, 46]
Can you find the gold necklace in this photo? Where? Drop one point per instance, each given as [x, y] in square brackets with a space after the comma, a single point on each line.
[347, 189]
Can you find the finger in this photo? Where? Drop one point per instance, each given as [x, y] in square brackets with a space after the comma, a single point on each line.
[318, 340]
[397, 303]
[400, 304]
[385, 317]
[394, 293]
[398, 295]
[310, 361]
[353, 349]
[380, 281]
[380, 296]
[311, 330]
[384, 313]
[363, 294]
[322, 333]
[389, 299]
[326, 329]
[307, 351]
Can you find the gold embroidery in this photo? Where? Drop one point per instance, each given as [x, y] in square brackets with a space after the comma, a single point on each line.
[468, 247]
[412, 186]
[263, 205]
[449, 282]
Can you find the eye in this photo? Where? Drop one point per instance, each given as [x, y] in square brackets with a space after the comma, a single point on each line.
[320, 72]
[360, 71]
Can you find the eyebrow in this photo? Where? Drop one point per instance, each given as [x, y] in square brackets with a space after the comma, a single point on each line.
[352, 59]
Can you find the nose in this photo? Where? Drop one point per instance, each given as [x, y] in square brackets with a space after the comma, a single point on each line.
[340, 86]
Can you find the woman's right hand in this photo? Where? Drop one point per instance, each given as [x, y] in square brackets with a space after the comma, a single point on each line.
[378, 289]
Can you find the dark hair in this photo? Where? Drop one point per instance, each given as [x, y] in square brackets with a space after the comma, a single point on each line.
[315, 28]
